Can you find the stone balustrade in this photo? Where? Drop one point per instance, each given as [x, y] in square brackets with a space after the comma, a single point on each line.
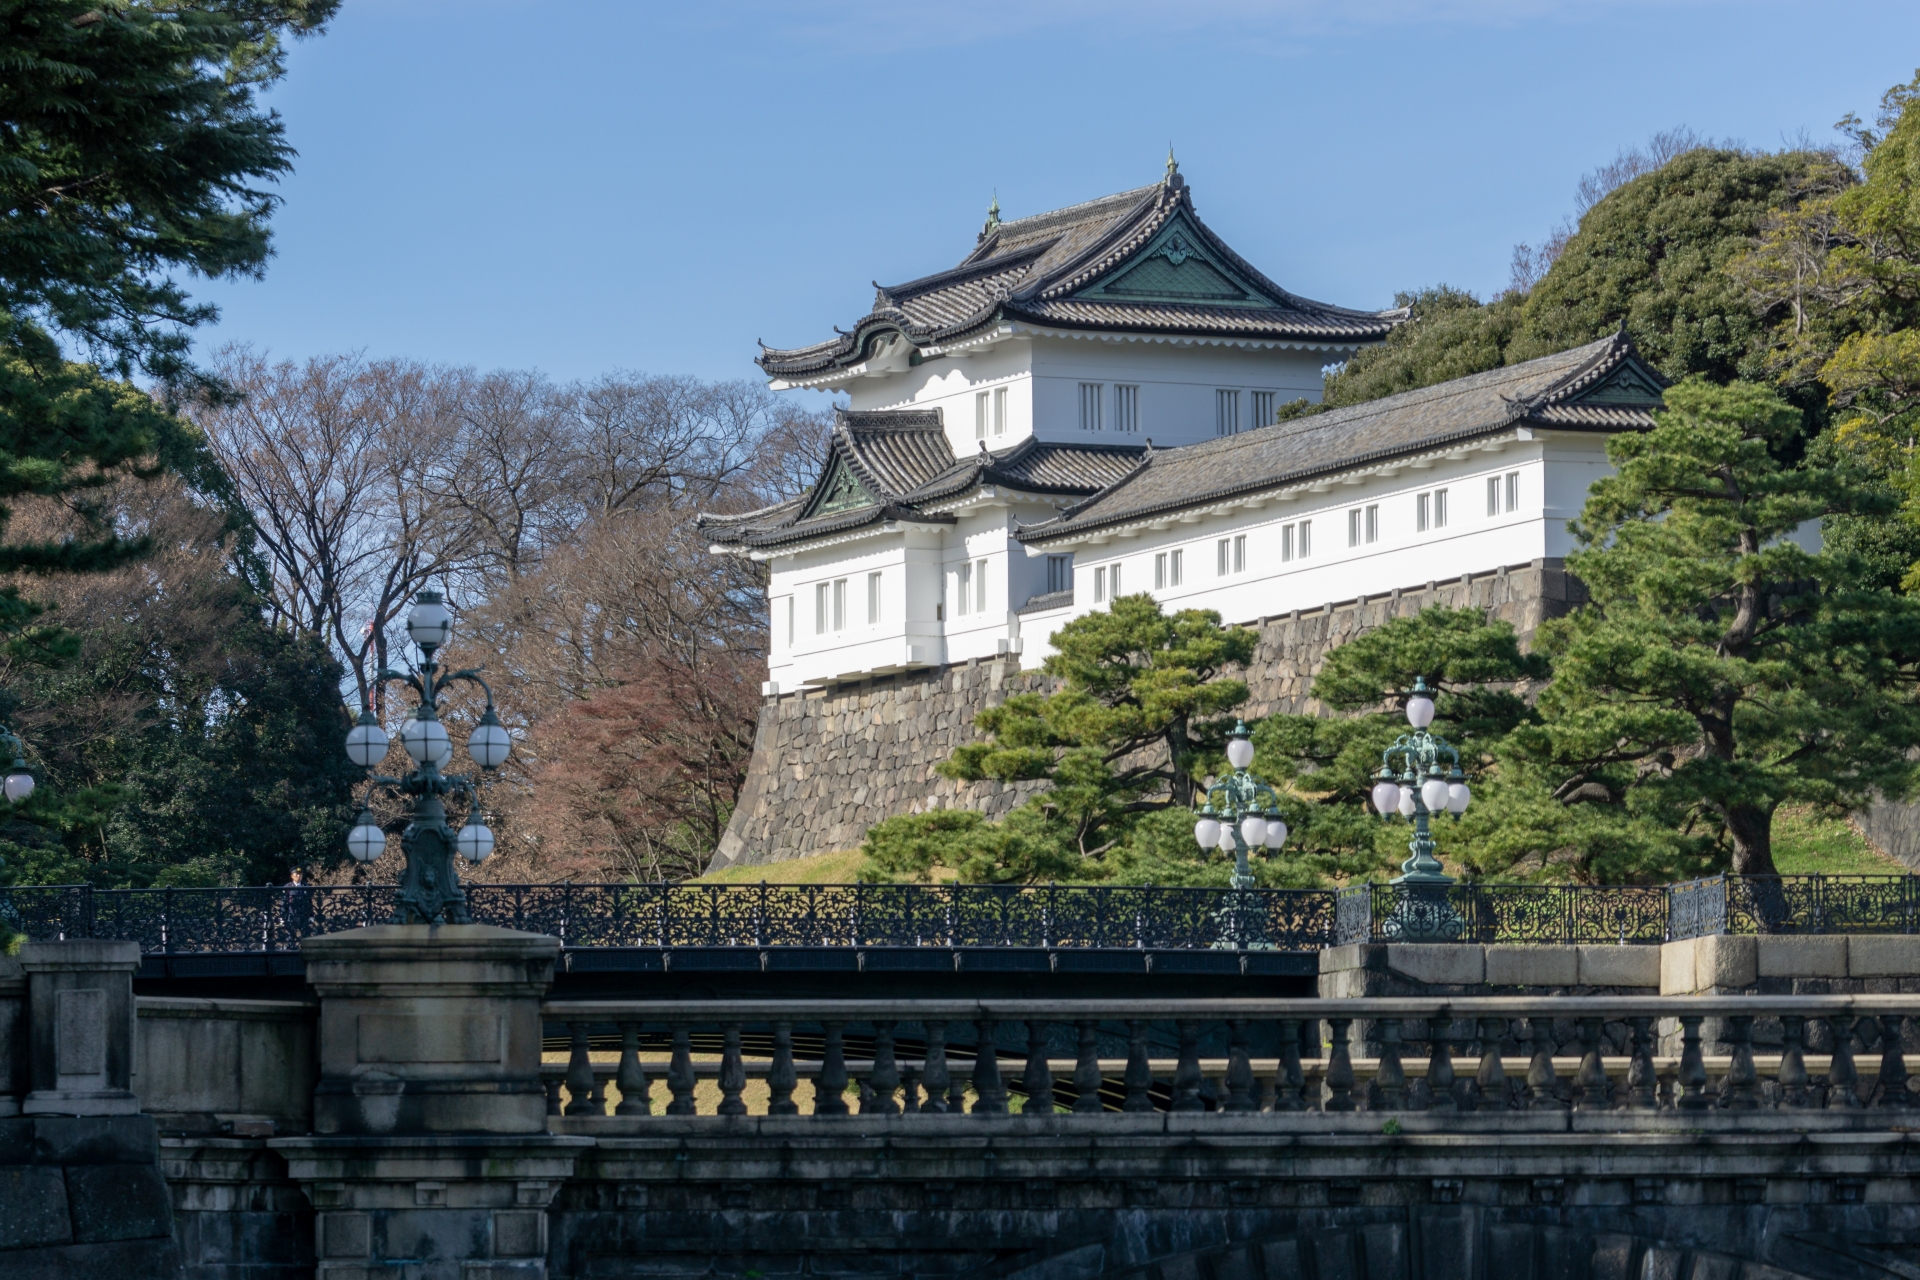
[1656, 1057]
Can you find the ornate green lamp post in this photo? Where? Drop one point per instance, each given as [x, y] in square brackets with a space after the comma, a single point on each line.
[1242, 813]
[1413, 784]
[1419, 787]
[429, 890]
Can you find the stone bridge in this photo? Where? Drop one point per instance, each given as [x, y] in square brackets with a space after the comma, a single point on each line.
[432, 1112]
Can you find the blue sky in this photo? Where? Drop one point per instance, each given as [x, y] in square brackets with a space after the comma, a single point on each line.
[579, 186]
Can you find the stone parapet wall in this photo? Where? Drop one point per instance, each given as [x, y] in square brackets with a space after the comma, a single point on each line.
[830, 763]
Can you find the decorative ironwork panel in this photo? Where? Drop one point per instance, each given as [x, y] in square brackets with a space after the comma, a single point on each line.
[1697, 908]
[1509, 913]
[1822, 904]
[47, 911]
[1353, 915]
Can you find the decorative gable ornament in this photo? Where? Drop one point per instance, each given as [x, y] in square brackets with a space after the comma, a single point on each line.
[1177, 268]
[842, 491]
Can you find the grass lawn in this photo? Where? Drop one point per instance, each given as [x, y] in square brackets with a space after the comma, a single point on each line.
[1803, 844]
[839, 867]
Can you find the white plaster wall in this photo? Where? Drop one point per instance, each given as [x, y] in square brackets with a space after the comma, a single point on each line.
[1554, 475]
[1177, 385]
[950, 384]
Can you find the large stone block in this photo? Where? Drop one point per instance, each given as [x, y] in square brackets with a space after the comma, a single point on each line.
[118, 1202]
[430, 1029]
[1628, 966]
[1438, 963]
[1529, 966]
[80, 1018]
[1883, 956]
[33, 1207]
[1810, 956]
[1725, 964]
[1678, 967]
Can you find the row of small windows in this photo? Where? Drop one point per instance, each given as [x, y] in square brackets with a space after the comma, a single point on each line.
[830, 606]
[1430, 512]
[1093, 407]
[1226, 411]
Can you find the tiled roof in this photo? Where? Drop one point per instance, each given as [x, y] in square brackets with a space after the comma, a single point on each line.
[1041, 269]
[1603, 386]
[902, 460]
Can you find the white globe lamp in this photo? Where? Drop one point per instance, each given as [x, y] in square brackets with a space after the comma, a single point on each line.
[366, 742]
[430, 622]
[475, 840]
[365, 840]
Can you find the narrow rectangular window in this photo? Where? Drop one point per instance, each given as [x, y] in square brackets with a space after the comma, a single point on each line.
[1090, 405]
[1262, 409]
[839, 604]
[873, 599]
[789, 622]
[1420, 508]
[1286, 543]
[1493, 495]
[820, 606]
[1373, 523]
[1223, 549]
[1226, 413]
[1126, 408]
[980, 415]
[964, 596]
[999, 411]
[1353, 527]
[1513, 490]
[980, 587]
[1439, 508]
[1160, 572]
[1306, 538]
[1113, 580]
[1240, 554]
[1178, 556]
[1059, 574]
[1100, 585]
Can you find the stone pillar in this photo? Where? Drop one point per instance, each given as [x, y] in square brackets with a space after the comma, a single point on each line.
[431, 1152]
[80, 1027]
[13, 1036]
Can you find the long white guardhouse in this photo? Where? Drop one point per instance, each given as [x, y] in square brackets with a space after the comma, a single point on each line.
[1084, 408]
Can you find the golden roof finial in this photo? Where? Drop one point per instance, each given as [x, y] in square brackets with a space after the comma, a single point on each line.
[1173, 166]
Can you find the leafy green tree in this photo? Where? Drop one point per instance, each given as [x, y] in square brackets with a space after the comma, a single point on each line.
[1142, 704]
[132, 145]
[1723, 669]
[1652, 255]
[1477, 670]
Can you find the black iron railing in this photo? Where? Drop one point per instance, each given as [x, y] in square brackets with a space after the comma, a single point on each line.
[670, 916]
[665, 917]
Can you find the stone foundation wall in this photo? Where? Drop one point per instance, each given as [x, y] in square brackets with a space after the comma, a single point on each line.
[828, 764]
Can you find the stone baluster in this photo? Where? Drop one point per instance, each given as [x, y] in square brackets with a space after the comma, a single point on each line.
[1591, 1081]
[632, 1077]
[1391, 1075]
[1036, 1079]
[1693, 1070]
[1339, 1067]
[553, 1096]
[1440, 1065]
[1186, 1071]
[1893, 1064]
[1086, 1071]
[733, 1072]
[1240, 1084]
[990, 1096]
[781, 1076]
[1543, 1083]
[680, 1073]
[1741, 1088]
[1288, 1086]
[1792, 1077]
[599, 1095]
[1643, 1082]
[579, 1072]
[1842, 1079]
[1490, 1077]
[884, 1079]
[830, 1086]
[1139, 1077]
[910, 1091]
[935, 1073]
